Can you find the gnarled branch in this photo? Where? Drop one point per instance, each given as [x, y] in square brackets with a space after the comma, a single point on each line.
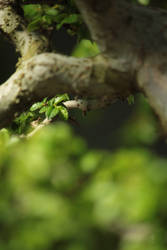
[48, 74]
[14, 27]
[133, 44]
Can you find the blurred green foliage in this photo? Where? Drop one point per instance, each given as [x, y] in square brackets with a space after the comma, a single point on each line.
[86, 48]
[144, 2]
[56, 193]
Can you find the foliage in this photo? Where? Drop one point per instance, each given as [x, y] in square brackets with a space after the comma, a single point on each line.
[61, 14]
[56, 193]
[39, 111]
[141, 127]
[86, 48]
[130, 99]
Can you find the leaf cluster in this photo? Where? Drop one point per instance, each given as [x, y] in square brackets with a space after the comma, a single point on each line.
[47, 108]
[61, 14]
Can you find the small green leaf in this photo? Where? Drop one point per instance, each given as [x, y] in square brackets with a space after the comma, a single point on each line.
[23, 117]
[49, 111]
[130, 99]
[35, 24]
[51, 12]
[45, 100]
[46, 20]
[36, 106]
[61, 98]
[43, 109]
[70, 19]
[51, 101]
[23, 121]
[58, 19]
[32, 11]
[54, 113]
[63, 112]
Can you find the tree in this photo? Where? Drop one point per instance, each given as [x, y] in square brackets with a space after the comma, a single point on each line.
[123, 66]
[56, 192]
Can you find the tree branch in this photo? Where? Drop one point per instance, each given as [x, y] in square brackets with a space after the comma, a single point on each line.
[13, 26]
[84, 105]
[133, 43]
[48, 74]
[135, 37]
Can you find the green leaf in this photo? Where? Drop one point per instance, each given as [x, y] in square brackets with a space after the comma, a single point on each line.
[59, 18]
[43, 109]
[46, 20]
[36, 106]
[45, 100]
[73, 18]
[24, 120]
[35, 24]
[61, 98]
[86, 48]
[32, 11]
[51, 12]
[49, 111]
[130, 99]
[51, 101]
[63, 112]
[23, 117]
[54, 113]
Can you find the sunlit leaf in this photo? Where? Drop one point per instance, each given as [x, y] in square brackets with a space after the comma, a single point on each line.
[54, 113]
[43, 109]
[64, 112]
[61, 98]
[36, 106]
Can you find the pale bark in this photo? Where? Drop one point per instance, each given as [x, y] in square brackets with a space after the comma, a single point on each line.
[133, 58]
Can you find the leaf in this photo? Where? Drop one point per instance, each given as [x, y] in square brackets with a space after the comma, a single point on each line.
[73, 18]
[54, 113]
[43, 109]
[35, 24]
[22, 118]
[63, 112]
[36, 106]
[46, 20]
[51, 12]
[58, 19]
[45, 100]
[23, 121]
[86, 48]
[49, 111]
[130, 99]
[61, 98]
[32, 11]
[51, 101]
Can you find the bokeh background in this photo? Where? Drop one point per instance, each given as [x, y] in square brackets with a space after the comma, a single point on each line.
[95, 182]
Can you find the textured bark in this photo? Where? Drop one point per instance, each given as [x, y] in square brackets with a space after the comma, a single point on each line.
[136, 38]
[49, 74]
[27, 43]
[133, 58]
